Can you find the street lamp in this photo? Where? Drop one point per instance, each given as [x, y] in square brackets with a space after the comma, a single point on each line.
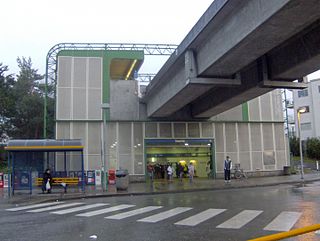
[301, 110]
[104, 107]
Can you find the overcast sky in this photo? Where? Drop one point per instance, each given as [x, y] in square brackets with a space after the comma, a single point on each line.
[31, 27]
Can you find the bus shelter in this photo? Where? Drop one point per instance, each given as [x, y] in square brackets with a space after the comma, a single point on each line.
[28, 160]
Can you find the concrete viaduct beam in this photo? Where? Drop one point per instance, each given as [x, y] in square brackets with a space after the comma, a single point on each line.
[237, 51]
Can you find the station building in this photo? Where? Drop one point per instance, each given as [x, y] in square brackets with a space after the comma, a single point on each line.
[98, 101]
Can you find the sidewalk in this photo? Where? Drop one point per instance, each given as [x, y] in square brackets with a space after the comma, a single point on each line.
[156, 187]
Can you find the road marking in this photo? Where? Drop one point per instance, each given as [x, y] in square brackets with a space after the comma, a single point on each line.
[283, 222]
[164, 215]
[33, 206]
[200, 217]
[106, 210]
[54, 207]
[133, 212]
[240, 219]
[72, 210]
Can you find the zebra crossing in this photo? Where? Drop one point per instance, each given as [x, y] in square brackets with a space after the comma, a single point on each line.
[284, 221]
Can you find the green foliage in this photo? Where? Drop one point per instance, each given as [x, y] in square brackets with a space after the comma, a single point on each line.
[313, 148]
[294, 146]
[22, 102]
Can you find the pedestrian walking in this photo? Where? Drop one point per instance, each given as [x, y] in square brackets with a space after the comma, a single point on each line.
[47, 181]
[150, 170]
[181, 171]
[227, 169]
[169, 172]
[191, 172]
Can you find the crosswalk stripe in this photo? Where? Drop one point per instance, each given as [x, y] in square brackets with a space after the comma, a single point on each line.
[53, 207]
[133, 212]
[200, 217]
[72, 210]
[106, 210]
[240, 219]
[33, 206]
[283, 222]
[164, 215]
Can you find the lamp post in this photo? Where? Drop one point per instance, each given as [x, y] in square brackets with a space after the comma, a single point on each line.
[301, 110]
[104, 107]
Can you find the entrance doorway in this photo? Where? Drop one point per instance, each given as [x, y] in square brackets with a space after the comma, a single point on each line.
[180, 152]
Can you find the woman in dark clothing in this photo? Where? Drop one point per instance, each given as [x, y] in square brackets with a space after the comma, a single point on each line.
[46, 178]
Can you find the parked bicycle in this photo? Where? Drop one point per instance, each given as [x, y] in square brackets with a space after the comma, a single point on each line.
[238, 172]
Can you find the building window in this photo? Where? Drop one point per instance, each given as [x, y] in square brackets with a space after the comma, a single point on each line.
[306, 126]
[303, 93]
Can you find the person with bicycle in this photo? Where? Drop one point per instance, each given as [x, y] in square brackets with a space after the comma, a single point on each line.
[227, 169]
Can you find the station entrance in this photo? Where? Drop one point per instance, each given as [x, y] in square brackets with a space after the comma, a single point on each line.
[180, 152]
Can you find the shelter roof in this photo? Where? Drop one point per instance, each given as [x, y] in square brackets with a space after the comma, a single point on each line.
[44, 145]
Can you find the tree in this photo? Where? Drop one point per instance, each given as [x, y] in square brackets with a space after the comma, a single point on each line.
[313, 148]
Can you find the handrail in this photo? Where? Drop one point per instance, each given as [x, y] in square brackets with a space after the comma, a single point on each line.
[288, 234]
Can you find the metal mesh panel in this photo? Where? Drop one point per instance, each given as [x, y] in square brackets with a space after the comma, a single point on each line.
[281, 159]
[231, 138]
[151, 129]
[95, 73]
[79, 131]
[267, 136]
[138, 148]
[219, 161]
[243, 134]
[277, 102]
[63, 130]
[64, 72]
[269, 158]
[79, 104]
[94, 108]
[165, 130]
[179, 130]
[125, 162]
[254, 114]
[257, 161]
[94, 138]
[207, 130]
[279, 136]
[255, 137]
[193, 130]
[219, 137]
[79, 73]
[125, 144]
[94, 162]
[244, 159]
[265, 105]
[64, 104]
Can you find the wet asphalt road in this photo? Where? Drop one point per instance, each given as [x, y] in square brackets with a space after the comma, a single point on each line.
[267, 202]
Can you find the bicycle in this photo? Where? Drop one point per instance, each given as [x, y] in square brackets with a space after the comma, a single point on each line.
[239, 173]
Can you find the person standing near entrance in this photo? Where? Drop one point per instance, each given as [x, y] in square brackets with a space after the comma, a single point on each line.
[191, 172]
[227, 169]
[170, 172]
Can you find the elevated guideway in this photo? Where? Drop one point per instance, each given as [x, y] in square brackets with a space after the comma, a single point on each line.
[238, 50]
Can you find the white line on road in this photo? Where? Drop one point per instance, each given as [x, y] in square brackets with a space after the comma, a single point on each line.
[283, 222]
[240, 219]
[200, 217]
[164, 215]
[133, 212]
[34, 206]
[72, 210]
[106, 210]
[54, 207]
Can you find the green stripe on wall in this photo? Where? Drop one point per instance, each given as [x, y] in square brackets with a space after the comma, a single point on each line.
[245, 112]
